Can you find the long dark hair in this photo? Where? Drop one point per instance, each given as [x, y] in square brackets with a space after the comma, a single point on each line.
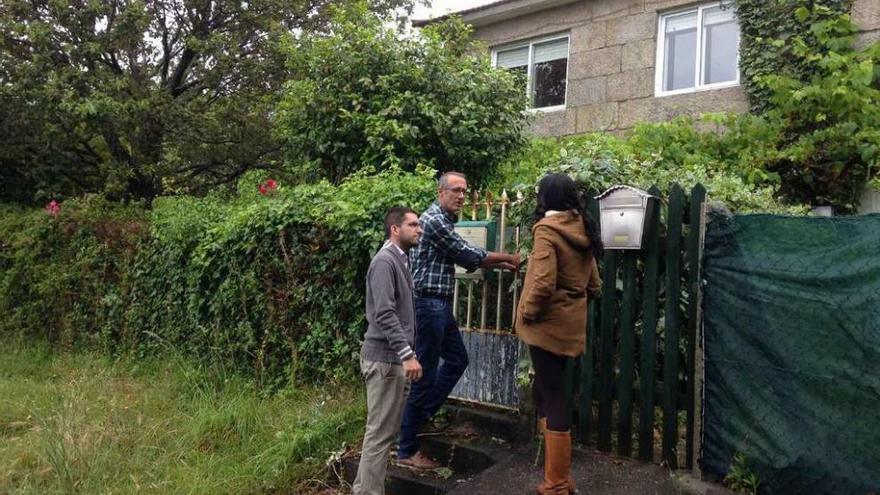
[559, 192]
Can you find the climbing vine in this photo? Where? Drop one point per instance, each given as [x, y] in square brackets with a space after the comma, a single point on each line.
[763, 25]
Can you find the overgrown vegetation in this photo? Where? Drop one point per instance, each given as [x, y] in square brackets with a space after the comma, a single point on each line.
[767, 33]
[723, 152]
[740, 478]
[269, 284]
[82, 423]
[366, 95]
[132, 99]
[806, 75]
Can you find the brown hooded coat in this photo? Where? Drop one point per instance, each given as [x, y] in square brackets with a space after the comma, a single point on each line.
[561, 276]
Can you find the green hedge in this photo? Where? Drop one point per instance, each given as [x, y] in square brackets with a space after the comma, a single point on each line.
[271, 284]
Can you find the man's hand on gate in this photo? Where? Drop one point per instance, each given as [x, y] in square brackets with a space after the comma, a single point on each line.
[515, 260]
[412, 369]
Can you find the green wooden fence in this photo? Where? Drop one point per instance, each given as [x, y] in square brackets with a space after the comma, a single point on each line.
[640, 359]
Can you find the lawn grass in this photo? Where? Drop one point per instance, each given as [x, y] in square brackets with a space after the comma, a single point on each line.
[84, 423]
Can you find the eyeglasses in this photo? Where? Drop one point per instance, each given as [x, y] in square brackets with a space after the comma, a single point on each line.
[462, 191]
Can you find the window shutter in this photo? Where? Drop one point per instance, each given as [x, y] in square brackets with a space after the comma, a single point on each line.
[551, 50]
[518, 57]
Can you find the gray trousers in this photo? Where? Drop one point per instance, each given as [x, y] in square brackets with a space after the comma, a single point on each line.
[387, 389]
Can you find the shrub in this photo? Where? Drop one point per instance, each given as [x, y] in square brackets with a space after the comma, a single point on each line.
[368, 95]
[272, 285]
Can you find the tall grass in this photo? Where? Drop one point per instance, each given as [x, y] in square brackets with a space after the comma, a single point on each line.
[83, 423]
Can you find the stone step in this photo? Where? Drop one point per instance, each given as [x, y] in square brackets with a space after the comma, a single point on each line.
[462, 456]
[509, 426]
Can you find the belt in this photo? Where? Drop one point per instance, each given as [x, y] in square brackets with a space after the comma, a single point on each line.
[432, 295]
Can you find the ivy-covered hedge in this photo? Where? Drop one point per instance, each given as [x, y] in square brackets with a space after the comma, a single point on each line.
[270, 284]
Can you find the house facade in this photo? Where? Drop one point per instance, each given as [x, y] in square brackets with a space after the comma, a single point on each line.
[605, 65]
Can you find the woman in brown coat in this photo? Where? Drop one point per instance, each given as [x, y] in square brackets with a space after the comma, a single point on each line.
[552, 312]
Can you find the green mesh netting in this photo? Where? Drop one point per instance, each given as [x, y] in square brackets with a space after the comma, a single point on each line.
[792, 351]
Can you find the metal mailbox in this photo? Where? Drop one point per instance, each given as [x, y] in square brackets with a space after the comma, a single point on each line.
[476, 233]
[623, 214]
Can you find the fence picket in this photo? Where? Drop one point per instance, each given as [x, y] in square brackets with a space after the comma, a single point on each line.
[606, 343]
[627, 354]
[698, 195]
[672, 330]
[585, 404]
[648, 348]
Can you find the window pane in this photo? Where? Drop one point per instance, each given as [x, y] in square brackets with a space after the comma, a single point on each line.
[549, 68]
[720, 36]
[680, 51]
[549, 83]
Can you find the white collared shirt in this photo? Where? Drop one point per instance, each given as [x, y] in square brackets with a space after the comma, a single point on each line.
[401, 252]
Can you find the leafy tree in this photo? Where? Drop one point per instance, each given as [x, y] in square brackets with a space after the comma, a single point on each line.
[369, 95]
[134, 97]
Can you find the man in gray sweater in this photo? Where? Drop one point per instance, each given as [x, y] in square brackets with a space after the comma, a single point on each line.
[388, 362]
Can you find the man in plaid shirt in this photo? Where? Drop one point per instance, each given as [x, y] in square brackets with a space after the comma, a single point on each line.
[437, 333]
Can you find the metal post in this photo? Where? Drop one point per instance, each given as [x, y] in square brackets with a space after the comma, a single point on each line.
[501, 249]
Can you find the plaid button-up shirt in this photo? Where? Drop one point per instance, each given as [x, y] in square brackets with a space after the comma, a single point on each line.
[441, 248]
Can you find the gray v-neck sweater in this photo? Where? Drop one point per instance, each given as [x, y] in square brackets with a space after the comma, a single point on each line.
[391, 318]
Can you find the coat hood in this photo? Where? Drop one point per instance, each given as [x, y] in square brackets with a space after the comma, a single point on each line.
[569, 225]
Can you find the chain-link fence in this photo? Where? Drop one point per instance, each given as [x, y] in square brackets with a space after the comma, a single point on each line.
[792, 352]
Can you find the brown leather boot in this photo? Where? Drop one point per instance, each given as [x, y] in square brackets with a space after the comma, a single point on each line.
[542, 428]
[557, 463]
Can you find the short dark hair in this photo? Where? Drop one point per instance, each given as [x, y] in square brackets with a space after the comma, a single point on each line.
[395, 216]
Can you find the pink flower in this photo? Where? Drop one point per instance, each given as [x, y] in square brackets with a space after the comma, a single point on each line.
[271, 184]
[263, 189]
[53, 208]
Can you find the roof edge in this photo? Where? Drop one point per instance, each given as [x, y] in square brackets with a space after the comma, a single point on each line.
[492, 13]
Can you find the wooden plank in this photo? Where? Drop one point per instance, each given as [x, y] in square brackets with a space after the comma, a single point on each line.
[698, 195]
[606, 344]
[585, 405]
[699, 357]
[627, 354]
[673, 322]
[649, 331]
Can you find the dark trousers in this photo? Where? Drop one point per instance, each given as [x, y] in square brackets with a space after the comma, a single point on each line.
[437, 336]
[547, 390]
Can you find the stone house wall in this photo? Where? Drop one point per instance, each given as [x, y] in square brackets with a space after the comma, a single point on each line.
[611, 65]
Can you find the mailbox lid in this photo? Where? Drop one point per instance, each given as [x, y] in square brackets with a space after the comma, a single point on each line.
[623, 196]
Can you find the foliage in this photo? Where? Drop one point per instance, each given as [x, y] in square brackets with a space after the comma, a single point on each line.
[740, 478]
[367, 95]
[61, 273]
[829, 120]
[766, 31]
[723, 152]
[271, 285]
[85, 423]
[134, 98]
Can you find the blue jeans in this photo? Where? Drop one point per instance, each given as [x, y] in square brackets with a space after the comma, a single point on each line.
[437, 336]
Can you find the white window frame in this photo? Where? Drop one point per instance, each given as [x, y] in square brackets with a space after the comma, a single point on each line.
[529, 76]
[701, 55]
